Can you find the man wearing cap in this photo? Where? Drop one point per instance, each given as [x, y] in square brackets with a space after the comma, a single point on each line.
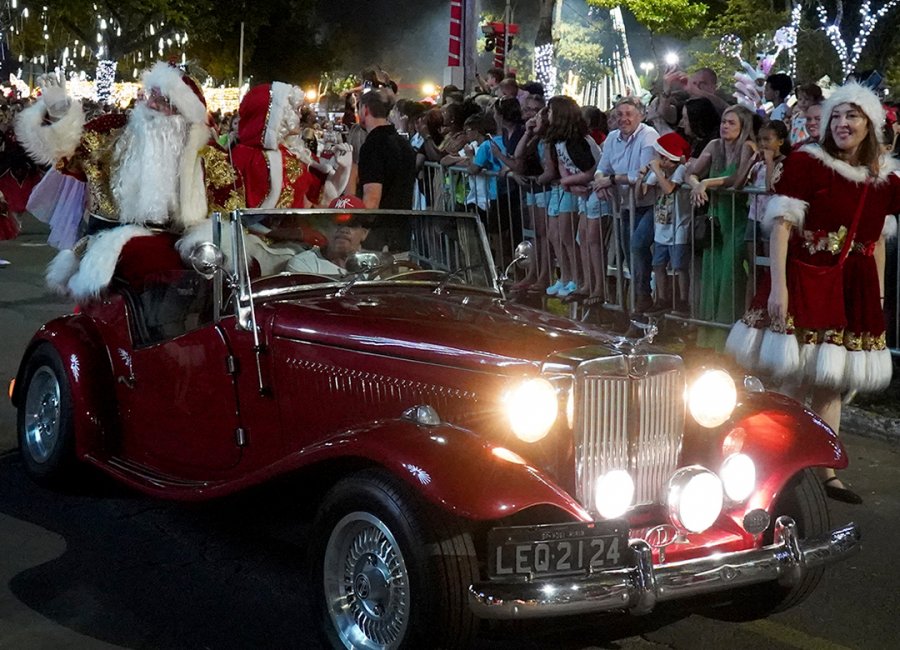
[154, 172]
[346, 239]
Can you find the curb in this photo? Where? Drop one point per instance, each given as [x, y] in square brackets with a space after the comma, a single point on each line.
[870, 425]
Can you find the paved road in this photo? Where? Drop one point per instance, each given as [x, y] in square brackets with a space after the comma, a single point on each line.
[101, 567]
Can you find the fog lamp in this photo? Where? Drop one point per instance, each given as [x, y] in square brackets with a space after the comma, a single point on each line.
[738, 477]
[695, 498]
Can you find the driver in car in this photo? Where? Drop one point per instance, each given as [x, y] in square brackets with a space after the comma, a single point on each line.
[346, 240]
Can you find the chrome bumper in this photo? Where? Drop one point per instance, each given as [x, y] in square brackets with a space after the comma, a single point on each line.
[637, 589]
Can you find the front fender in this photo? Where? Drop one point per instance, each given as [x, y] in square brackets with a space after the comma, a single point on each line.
[782, 437]
[453, 468]
[86, 363]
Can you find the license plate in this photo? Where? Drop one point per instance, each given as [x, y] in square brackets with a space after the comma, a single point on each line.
[557, 549]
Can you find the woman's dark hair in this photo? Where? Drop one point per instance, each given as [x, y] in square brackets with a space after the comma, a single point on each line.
[509, 109]
[482, 123]
[434, 120]
[703, 120]
[595, 118]
[869, 151]
[566, 122]
[780, 130]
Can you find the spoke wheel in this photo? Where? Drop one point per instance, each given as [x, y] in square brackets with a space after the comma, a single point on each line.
[45, 423]
[389, 570]
[42, 415]
[366, 583]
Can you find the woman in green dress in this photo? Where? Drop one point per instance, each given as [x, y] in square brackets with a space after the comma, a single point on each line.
[725, 163]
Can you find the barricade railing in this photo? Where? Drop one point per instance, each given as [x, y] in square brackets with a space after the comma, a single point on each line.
[721, 249]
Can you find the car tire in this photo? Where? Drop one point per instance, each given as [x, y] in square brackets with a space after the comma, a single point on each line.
[388, 570]
[802, 499]
[45, 420]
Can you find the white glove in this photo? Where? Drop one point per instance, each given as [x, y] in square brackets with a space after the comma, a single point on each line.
[53, 92]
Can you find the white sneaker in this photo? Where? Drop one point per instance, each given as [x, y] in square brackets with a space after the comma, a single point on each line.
[4, 263]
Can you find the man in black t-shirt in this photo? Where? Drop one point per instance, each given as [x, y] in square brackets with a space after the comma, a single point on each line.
[387, 162]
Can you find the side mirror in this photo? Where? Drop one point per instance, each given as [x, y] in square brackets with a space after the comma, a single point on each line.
[206, 259]
[523, 257]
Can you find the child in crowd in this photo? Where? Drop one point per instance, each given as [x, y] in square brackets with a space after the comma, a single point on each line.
[672, 218]
[774, 146]
[478, 156]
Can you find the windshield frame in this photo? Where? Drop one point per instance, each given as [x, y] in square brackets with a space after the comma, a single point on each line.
[246, 290]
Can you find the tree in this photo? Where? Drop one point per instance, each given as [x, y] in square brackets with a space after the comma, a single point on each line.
[579, 50]
[678, 17]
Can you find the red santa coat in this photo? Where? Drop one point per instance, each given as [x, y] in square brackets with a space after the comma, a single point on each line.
[838, 343]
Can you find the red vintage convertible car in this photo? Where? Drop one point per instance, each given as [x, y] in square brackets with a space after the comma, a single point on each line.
[472, 458]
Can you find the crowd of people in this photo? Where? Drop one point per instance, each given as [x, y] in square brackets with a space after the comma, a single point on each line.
[659, 181]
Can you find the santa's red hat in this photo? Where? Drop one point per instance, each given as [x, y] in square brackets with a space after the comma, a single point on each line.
[264, 113]
[673, 147]
[182, 91]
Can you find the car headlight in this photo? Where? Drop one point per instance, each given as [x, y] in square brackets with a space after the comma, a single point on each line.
[738, 477]
[614, 493]
[532, 407]
[695, 498]
[712, 398]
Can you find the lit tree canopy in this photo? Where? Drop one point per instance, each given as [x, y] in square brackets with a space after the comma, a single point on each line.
[677, 17]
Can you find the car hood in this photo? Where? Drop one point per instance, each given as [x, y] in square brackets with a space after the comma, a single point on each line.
[470, 331]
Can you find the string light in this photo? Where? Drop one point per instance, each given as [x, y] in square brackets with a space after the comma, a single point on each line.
[106, 75]
[544, 67]
[867, 23]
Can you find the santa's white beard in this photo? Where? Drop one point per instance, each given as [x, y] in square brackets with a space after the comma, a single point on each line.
[145, 165]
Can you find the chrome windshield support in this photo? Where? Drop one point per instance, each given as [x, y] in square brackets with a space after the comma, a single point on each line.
[246, 315]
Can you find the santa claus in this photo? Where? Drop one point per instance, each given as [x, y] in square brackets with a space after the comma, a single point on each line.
[276, 170]
[145, 176]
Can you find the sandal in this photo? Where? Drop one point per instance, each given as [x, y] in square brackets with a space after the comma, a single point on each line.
[840, 493]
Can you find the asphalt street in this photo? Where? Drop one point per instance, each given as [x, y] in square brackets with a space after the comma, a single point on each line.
[98, 566]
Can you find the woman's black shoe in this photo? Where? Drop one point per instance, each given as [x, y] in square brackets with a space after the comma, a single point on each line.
[841, 493]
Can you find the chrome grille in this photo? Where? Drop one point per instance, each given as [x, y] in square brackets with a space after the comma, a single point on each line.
[629, 415]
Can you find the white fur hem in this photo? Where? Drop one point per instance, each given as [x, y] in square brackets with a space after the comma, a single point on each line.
[192, 190]
[779, 354]
[830, 366]
[99, 262]
[743, 344]
[853, 173]
[868, 371]
[46, 144]
[60, 270]
[279, 94]
[890, 227]
[785, 207]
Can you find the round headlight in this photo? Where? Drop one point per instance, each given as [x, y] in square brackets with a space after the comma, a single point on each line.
[532, 408]
[613, 493]
[712, 398]
[738, 477]
[695, 498]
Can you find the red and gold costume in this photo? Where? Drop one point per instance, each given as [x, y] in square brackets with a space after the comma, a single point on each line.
[838, 344]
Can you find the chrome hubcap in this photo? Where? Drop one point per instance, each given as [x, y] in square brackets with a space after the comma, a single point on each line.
[42, 415]
[366, 583]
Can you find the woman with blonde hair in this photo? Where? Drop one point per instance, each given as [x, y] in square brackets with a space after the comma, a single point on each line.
[725, 162]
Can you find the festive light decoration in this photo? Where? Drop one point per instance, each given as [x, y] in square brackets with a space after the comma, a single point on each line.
[106, 75]
[731, 45]
[544, 68]
[868, 20]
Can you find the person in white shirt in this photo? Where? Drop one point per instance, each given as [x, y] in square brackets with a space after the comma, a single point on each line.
[778, 88]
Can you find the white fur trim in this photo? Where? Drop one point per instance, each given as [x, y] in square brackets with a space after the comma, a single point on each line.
[853, 173]
[170, 84]
[779, 354]
[879, 368]
[785, 207]
[99, 262]
[60, 270]
[743, 344]
[853, 93]
[890, 227]
[808, 353]
[193, 207]
[830, 366]
[279, 105]
[46, 144]
[336, 183]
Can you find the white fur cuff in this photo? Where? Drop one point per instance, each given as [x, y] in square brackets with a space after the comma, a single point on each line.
[786, 207]
[890, 227]
[48, 143]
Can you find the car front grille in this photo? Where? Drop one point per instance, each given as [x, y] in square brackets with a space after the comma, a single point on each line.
[629, 415]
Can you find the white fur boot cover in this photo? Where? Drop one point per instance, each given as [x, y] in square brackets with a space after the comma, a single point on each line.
[743, 344]
[831, 363]
[99, 262]
[779, 354]
[60, 270]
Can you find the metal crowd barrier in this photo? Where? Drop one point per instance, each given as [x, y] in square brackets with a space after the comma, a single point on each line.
[719, 273]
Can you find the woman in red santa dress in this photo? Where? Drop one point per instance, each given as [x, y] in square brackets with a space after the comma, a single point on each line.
[833, 207]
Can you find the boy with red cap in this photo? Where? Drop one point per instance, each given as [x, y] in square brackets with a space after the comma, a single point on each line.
[671, 217]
